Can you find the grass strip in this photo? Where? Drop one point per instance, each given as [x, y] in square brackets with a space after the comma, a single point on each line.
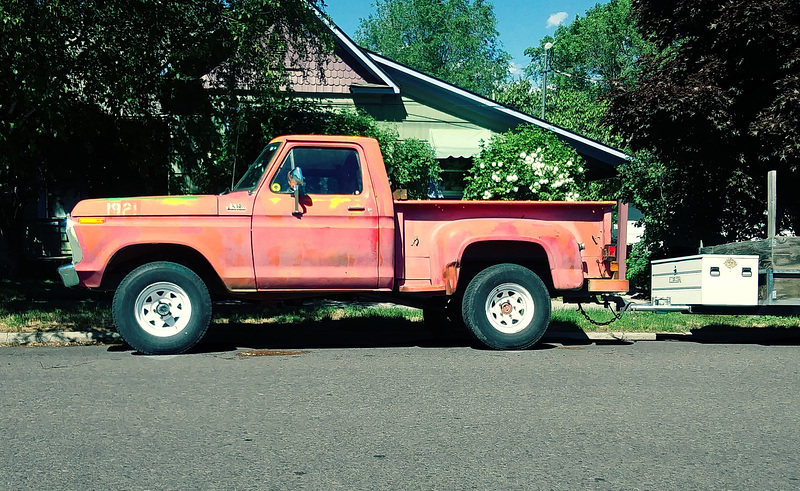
[35, 306]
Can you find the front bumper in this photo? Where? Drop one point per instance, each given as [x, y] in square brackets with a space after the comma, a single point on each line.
[68, 275]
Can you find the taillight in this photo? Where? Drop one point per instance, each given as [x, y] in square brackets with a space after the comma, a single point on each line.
[609, 252]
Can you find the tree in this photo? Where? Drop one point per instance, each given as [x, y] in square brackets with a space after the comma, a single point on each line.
[454, 40]
[91, 92]
[717, 106]
[586, 58]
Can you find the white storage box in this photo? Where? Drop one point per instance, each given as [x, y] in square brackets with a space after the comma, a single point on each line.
[707, 279]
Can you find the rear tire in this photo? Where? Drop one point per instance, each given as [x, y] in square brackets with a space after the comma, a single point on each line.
[506, 306]
[162, 308]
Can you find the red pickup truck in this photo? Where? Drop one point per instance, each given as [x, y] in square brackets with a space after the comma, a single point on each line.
[315, 215]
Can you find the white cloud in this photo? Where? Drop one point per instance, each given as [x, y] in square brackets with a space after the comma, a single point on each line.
[556, 19]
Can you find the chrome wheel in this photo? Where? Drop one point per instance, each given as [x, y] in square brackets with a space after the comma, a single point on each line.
[163, 309]
[509, 308]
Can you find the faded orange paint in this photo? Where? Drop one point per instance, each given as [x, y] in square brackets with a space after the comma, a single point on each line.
[360, 242]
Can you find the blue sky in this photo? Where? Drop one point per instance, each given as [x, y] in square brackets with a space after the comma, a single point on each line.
[521, 23]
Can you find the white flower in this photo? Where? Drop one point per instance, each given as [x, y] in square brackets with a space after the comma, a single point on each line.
[482, 166]
[516, 188]
[523, 155]
[487, 195]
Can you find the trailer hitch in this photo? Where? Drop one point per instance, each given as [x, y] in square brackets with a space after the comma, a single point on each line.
[621, 305]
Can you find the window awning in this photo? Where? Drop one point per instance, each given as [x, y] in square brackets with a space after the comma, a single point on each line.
[457, 142]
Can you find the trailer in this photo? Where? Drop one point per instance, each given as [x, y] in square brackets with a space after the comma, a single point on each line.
[757, 277]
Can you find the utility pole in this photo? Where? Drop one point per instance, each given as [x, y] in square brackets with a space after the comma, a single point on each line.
[545, 69]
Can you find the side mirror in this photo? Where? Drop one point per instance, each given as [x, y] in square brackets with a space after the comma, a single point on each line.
[296, 179]
[296, 182]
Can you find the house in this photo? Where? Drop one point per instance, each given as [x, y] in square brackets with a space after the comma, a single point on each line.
[453, 120]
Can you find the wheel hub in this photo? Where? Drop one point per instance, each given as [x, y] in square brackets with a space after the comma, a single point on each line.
[163, 308]
[509, 308]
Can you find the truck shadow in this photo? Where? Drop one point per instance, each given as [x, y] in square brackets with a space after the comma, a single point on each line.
[326, 334]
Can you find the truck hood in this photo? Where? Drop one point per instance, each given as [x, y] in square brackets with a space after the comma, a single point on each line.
[197, 205]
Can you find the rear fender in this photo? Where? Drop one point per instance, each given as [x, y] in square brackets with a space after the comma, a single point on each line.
[451, 239]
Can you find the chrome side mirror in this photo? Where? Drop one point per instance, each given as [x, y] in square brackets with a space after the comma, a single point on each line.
[296, 179]
[296, 183]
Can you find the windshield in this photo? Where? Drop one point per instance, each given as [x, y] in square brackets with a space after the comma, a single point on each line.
[252, 177]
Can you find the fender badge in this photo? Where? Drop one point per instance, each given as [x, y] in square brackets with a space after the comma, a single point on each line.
[236, 207]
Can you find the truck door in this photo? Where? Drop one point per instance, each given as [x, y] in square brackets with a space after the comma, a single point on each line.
[331, 242]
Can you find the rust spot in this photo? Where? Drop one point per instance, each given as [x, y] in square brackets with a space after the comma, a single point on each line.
[450, 276]
[270, 352]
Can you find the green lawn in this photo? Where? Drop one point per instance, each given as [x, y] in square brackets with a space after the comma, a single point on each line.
[48, 306]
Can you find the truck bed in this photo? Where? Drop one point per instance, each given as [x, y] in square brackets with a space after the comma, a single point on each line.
[432, 235]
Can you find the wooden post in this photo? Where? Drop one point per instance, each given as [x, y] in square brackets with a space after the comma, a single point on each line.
[772, 181]
[622, 239]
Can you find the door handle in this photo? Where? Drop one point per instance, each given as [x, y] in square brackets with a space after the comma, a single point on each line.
[355, 208]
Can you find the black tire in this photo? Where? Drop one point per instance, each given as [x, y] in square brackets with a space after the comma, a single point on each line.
[162, 308]
[506, 306]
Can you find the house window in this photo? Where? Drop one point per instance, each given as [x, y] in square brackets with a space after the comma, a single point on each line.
[454, 170]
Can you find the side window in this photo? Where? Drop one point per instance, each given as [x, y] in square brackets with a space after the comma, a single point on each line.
[326, 171]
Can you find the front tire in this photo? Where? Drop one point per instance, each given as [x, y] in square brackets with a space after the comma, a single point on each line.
[507, 306]
[162, 308]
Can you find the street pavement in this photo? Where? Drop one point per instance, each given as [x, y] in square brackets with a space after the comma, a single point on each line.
[313, 410]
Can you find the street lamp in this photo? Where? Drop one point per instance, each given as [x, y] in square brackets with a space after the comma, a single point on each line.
[545, 68]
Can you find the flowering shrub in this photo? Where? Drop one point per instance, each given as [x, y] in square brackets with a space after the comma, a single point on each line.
[526, 164]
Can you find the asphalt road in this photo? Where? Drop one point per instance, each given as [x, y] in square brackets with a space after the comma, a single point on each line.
[646, 415]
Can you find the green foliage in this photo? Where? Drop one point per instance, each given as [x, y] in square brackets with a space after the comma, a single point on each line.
[718, 110]
[588, 57]
[100, 96]
[454, 40]
[593, 52]
[526, 164]
[415, 167]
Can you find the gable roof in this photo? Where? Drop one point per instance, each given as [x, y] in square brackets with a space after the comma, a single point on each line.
[398, 79]
[504, 116]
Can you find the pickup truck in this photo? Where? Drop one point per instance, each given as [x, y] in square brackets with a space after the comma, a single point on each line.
[315, 215]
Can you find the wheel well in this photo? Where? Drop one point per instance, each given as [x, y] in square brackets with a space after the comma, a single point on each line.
[481, 255]
[130, 258]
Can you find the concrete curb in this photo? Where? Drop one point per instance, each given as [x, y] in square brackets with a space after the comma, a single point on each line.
[600, 336]
[22, 338]
[748, 336]
[59, 337]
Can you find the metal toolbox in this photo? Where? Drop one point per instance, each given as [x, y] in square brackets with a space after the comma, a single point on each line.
[706, 279]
